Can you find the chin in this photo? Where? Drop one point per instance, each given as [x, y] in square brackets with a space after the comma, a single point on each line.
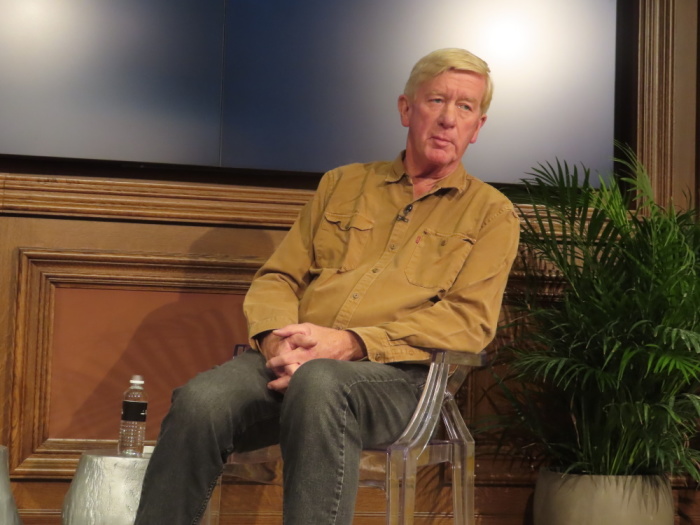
[440, 158]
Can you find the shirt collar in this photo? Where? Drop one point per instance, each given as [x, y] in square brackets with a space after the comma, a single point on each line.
[458, 179]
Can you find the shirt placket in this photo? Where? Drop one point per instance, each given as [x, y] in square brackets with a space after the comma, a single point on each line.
[398, 232]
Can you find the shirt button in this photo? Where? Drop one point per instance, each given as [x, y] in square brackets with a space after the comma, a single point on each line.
[375, 270]
[392, 247]
[355, 295]
[377, 357]
[408, 208]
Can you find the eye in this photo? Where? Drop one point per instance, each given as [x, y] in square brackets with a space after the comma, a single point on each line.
[436, 100]
[465, 107]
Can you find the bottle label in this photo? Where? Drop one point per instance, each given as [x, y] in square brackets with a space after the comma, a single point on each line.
[134, 410]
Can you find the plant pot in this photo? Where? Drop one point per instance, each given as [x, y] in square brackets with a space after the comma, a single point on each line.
[8, 509]
[570, 499]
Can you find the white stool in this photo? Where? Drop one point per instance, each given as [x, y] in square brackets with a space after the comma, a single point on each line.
[106, 489]
[8, 508]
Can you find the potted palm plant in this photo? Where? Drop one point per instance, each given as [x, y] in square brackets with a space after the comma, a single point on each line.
[605, 370]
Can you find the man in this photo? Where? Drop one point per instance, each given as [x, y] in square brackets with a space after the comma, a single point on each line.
[387, 258]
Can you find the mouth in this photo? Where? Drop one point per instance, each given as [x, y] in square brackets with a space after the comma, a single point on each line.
[441, 141]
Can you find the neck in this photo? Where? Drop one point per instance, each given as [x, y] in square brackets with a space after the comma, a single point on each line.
[424, 181]
[422, 185]
[425, 171]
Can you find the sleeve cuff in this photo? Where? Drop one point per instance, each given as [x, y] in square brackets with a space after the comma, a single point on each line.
[265, 325]
[381, 349]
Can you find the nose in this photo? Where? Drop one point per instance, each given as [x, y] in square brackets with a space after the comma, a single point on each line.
[448, 115]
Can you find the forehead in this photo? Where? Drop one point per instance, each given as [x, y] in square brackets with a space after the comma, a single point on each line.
[458, 83]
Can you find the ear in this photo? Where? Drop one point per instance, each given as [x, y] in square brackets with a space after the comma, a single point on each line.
[404, 110]
[482, 121]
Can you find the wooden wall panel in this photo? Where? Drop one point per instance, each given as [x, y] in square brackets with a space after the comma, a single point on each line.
[165, 336]
[49, 265]
[44, 356]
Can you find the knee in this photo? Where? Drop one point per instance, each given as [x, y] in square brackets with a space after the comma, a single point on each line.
[317, 378]
[195, 403]
[316, 402]
[228, 394]
[315, 387]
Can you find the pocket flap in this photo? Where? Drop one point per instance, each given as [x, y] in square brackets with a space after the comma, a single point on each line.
[346, 222]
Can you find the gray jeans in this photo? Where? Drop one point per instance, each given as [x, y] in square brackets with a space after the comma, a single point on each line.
[329, 413]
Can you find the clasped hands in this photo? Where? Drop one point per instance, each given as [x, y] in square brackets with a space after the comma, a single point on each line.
[287, 348]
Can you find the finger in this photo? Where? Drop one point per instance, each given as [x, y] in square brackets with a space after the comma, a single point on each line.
[283, 360]
[286, 370]
[301, 341]
[279, 371]
[280, 384]
[290, 369]
[291, 329]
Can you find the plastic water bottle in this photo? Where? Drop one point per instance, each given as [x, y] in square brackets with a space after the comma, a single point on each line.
[132, 431]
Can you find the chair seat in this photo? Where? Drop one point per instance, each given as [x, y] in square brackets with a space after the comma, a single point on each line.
[265, 465]
[394, 467]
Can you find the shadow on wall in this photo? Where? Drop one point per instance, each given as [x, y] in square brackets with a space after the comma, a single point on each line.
[165, 336]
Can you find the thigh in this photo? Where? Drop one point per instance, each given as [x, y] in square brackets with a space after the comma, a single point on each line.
[378, 398]
[234, 400]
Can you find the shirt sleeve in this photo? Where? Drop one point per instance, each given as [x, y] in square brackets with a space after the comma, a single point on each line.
[272, 300]
[466, 317]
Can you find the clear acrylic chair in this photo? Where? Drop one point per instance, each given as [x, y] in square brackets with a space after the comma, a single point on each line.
[397, 464]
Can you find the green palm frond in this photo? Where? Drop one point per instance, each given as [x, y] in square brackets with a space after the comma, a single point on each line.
[606, 374]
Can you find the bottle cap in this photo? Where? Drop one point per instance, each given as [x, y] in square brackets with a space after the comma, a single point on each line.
[137, 380]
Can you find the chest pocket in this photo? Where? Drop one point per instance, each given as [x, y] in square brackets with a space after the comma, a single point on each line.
[341, 239]
[437, 258]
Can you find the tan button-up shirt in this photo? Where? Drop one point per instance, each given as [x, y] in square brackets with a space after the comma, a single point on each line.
[402, 273]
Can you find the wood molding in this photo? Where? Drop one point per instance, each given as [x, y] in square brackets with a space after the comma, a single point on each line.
[666, 95]
[133, 200]
[32, 454]
[655, 87]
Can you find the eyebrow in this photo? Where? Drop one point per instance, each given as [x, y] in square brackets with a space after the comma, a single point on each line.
[434, 92]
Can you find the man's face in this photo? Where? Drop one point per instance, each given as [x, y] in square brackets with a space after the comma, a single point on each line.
[443, 118]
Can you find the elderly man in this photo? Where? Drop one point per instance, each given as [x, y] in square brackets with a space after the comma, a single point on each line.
[386, 259]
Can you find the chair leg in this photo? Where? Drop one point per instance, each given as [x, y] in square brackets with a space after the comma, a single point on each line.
[463, 484]
[457, 484]
[463, 464]
[468, 468]
[400, 487]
